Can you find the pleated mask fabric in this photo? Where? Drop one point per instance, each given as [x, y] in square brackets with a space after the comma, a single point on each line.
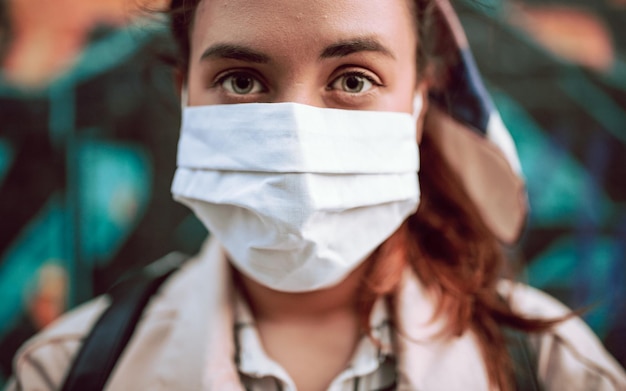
[298, 195]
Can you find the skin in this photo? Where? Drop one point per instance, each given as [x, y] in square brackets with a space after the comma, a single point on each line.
[347, 54]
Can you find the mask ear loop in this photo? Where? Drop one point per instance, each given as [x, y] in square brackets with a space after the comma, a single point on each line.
[418, 104]
[184, 98]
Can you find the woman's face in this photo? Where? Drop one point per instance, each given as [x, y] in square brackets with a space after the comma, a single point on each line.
[349, 54]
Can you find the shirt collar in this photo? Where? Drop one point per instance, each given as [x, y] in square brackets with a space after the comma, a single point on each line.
[252, 360]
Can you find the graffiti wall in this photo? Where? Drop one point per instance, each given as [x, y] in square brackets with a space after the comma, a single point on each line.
[87, 153]
[88, 130]
[557, 71]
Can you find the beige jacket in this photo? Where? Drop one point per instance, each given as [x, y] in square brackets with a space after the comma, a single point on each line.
[185, 342]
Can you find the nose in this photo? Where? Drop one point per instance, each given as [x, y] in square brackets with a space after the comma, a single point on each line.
[299, 92]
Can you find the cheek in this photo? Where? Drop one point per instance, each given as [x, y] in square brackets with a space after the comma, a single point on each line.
[408, 84]
[197, 83]
[402, 85]
[401, 94]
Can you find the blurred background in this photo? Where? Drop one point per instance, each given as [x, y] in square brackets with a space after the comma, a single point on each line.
[89, 124]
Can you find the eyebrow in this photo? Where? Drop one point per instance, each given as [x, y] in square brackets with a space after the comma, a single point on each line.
[345, 48]
[235, 52]
[339, 49]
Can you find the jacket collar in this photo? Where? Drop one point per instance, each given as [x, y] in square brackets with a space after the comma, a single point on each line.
[199, 351]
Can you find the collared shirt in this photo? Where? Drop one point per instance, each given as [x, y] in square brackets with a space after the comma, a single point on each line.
[372, 366]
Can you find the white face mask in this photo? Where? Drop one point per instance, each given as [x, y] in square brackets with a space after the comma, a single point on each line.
[298, 196]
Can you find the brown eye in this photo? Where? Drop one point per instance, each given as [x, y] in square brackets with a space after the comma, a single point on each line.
[352, 83]
[241, 84]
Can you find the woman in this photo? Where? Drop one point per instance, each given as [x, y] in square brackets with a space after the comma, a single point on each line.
[304, 127]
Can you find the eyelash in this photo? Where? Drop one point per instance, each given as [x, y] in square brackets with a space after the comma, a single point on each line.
[219, 80]
[362, 74]
[243, 72]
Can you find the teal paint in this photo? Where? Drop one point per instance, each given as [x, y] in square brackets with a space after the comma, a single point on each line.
[116, 180]
[109, 174]
[616, 77]
[112, 50]
[556, 182]
[561, 264]
[62, 130]
[595, 102]
[6, 158]
[39, 242]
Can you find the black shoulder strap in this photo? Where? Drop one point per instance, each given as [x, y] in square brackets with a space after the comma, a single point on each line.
[524, 359]
[109, 336]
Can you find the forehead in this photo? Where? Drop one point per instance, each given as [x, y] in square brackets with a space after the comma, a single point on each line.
[299, 26]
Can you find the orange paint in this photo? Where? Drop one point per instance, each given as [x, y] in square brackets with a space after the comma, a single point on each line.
[575, 35]
[47, 36]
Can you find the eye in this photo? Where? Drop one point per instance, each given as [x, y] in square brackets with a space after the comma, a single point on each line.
[241, 83]
[353, 83]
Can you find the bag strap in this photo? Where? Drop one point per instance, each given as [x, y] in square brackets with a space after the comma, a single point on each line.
[109, 336]
[524, 359]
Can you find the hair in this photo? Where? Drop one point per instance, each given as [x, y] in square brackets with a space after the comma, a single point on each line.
[445, 243]
[5, 29]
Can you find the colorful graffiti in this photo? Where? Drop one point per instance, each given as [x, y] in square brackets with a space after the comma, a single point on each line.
[88, 142]
[558, 75]
[85, 168]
